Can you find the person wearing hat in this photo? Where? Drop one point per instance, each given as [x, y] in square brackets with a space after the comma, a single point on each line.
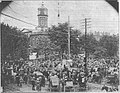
[39, 83]
[25, 78]
[21, 80]
[105, 88]
[81, 79]
[17, 79]
[33, 82]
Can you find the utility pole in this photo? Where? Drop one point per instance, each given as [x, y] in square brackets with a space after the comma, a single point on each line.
[68, 37]
[85, 46]
[85, 43]
[58, 13]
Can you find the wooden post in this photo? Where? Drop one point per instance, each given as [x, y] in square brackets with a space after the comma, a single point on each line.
[68, 37]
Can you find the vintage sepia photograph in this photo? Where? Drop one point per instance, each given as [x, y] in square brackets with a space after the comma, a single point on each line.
[59, 46]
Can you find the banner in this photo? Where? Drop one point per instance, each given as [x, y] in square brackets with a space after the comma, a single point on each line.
[69, 84]
[32, 56]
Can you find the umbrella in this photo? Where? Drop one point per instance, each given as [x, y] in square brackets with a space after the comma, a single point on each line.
[21, 59]
[82, 73]
[38, 73]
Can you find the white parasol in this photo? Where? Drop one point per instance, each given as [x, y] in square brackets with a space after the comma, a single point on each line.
[38, 73]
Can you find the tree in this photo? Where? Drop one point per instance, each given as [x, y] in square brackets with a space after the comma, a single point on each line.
[110, 43]
[91, 43]
[100, 52]
[59, 36]
[42, 45]
[14, 42]
[75, 43]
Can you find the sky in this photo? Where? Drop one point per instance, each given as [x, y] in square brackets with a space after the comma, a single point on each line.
[103, 17]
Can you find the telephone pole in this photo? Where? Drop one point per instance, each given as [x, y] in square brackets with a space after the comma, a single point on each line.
[85, 43]
[85, 46]
[68, 37]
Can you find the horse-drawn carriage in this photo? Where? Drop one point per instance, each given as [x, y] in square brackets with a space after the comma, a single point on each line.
[37, 80]
[68, 87]
[38, 83]
[112, 79]
[54, 83]
[82, 80]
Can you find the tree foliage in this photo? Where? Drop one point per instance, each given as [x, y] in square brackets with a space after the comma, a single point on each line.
[90, 43]
[43, 45]
[111, 44]
[107, 46]
[13, 42]
[59, 36]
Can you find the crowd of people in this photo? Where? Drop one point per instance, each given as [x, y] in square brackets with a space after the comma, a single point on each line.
[19, 72]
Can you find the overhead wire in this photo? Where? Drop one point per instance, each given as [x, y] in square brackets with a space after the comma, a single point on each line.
[16, 12]
[26, 22]
[18, 19]
[15, 35]
[17, 3]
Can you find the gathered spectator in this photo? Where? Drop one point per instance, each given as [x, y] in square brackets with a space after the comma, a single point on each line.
[18, 79]
[33, 82]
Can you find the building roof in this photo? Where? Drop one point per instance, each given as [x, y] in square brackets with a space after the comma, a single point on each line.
[42, 7]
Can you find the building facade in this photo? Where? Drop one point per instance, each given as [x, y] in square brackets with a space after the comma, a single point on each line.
[38, 36]
[42, 18]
